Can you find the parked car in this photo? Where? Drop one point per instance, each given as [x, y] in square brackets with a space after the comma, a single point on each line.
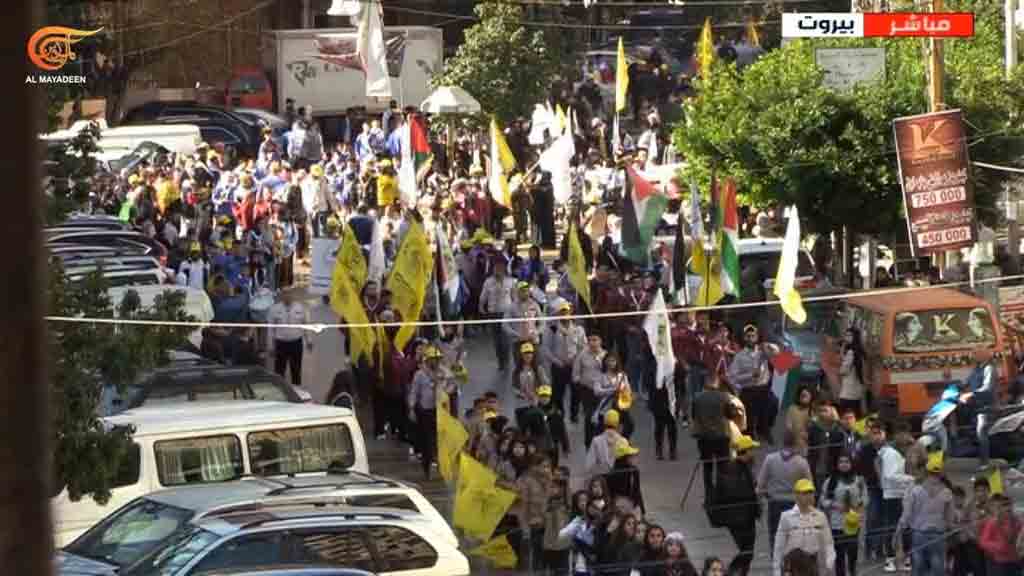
[203, 381]
[217, 124]
[181, 444]
[109, 238]
[69, 251]
[278, 126]
[293, 571]
[260, 522]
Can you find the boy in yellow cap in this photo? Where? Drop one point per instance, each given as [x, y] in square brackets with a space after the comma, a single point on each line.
[544, 424]
[601, 454]
[928, 515]
[804, 527]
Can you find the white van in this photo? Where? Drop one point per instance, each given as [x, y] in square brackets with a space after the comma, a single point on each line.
[116, 142]
[202, 443]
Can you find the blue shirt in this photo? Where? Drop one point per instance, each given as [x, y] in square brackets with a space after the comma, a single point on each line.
[394, 144]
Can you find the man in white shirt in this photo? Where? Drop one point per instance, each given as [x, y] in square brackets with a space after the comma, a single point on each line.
[289, 313]
[804, 527]
[523, 306]
[495, 298]
[195, 270]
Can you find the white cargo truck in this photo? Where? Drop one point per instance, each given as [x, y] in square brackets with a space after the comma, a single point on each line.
[308, 67]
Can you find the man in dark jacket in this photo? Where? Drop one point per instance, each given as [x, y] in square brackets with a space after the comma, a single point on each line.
[735, 503]
[545, 425]
[825, 441]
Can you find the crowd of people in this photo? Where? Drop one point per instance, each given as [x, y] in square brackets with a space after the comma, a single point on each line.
[242, 232]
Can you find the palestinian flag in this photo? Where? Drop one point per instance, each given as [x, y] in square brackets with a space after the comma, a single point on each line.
[727, 226]
[418, 143]
[642, 210]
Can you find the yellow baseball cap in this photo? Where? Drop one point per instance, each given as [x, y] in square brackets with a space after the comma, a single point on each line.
[527, 347]
[745, 442]
[624, 448]
[433, 352]
[935, 463]
[490, 415]
[523, 285]
[803, 486]
[544, 391]
[611, 419]
[195, 247]
[565, 307]
[317, 170]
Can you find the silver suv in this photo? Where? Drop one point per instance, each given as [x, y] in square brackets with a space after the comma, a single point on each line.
[253, 523]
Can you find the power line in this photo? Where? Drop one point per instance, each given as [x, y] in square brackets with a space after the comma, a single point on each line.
[320, 327]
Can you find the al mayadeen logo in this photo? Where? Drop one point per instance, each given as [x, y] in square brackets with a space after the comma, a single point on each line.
[50, 49]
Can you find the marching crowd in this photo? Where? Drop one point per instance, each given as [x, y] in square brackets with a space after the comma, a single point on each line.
[843, 481]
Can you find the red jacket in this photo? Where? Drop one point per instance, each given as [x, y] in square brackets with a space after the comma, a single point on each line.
[244, 212]
[998, 538]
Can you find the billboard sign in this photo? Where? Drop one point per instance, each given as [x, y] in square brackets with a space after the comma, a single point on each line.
[931, 151]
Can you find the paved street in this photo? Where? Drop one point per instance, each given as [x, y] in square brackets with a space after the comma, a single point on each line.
[663, 481]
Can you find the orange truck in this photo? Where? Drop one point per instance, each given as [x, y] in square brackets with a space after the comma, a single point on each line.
[915, 342]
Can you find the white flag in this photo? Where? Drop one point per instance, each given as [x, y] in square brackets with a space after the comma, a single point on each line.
[345, 8]
[377, 265]
[659, 336]
[556, 160]
[449, 268]
[407, 168]
[372, 51]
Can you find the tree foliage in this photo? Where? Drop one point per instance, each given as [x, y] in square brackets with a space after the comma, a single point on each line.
[88, 356]
[506, 67]
[787, 138]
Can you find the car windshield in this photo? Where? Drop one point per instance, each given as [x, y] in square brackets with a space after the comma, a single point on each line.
[131, 532]
[175, 553]
[188, 387]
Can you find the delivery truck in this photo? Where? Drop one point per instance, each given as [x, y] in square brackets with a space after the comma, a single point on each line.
[316, 67]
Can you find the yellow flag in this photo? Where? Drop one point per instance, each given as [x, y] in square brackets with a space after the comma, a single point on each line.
[706, 51]
[498, 551]
[995, 481]
[451, 437]
[708, 267]
[562, 119]
[502, 162]
[785, 278]
[347, 280]
[621, 78]
[479, 504]
[578, 266]
[753, 38]
[408, 280]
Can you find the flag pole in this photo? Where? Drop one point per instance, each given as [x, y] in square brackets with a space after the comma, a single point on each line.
[437, 281]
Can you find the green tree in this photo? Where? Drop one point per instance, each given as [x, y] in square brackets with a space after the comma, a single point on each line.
[787, 138]
[506, 67]
[85, 355]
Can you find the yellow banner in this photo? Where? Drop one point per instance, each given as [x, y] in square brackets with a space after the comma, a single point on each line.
[347, 280]
[451, 437]
[408, 280]
[479, 504]
[578, 267]
[498, 551]
[621, 78]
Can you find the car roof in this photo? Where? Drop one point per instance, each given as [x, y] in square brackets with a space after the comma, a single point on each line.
[917, 300]
[171, 418]
[288, 570]
[759, 245]
[255, 492]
